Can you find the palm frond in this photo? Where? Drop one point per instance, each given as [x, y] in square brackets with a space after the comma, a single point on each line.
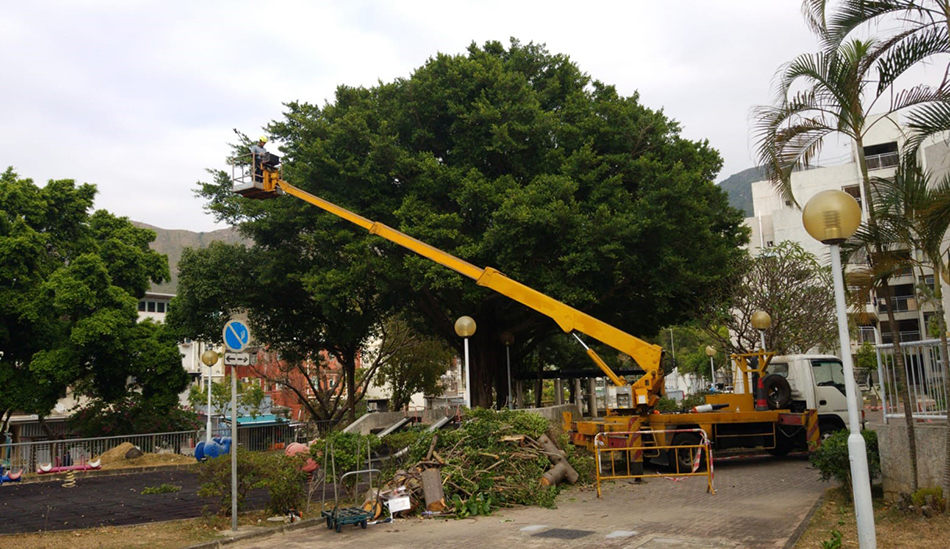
[926, 121]
[907, 49]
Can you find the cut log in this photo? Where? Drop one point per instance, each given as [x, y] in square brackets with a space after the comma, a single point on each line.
[557, 474]
[562, 470]
[432, 489]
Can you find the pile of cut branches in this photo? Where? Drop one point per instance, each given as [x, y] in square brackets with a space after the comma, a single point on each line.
[495, 458]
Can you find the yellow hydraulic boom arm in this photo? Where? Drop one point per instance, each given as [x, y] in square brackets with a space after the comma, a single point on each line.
[570, 320]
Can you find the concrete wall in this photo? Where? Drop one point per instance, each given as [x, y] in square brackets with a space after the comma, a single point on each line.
[895, 459]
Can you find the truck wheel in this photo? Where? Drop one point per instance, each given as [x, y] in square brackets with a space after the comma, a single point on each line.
[778, 393]
[683, 461]
[827, 428]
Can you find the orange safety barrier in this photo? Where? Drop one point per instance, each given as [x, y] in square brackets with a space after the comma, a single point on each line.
[629, 446]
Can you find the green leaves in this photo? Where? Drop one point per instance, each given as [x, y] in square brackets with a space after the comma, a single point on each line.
[69, 283]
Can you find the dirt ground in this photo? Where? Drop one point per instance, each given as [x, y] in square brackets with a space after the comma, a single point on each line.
[115, 458]
[894, 528]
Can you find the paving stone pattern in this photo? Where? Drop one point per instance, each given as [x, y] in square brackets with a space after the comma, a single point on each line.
[759, 503]
[103, 500]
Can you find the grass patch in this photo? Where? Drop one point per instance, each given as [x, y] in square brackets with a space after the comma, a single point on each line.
[164, 488]
[894, 527]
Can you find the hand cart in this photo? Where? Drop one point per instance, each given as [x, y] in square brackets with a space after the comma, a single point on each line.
[340, 516]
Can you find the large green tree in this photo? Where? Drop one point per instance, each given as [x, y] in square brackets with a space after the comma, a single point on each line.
[509, 157]
[70, 280]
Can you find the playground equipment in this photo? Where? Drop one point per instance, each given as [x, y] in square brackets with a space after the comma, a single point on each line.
[6, 476]
[219, 446]
[46, 468]
[295, 448]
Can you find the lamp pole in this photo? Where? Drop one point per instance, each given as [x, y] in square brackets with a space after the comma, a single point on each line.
[465, 328]
[761, 321]
[209, 358]
[508, 338]
[832, 217]
[711, 352]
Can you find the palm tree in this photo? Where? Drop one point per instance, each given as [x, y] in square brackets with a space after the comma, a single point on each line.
[918, 213]
[922, 35]
[835, 96]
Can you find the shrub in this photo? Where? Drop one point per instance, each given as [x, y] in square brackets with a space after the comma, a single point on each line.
[831, 458]
[279, 474]
[284, 481]
[215, 476]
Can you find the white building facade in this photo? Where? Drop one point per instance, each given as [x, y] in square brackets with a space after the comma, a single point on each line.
[776, 219]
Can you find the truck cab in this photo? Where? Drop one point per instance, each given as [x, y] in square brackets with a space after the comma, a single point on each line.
[817, 383]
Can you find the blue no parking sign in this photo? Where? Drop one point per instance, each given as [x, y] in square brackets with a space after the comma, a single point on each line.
[236, 336]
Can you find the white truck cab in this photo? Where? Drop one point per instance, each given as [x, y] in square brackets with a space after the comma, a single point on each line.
[817, 383]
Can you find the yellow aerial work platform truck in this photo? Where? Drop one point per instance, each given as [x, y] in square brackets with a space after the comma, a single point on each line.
[729, 420]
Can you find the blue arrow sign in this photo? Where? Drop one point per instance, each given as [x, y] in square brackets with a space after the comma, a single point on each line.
[237, 336]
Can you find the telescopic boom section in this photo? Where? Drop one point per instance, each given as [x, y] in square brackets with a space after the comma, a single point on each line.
[570, 320]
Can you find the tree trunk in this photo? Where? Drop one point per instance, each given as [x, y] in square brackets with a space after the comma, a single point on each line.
[886, 290]
[349, 367]
[902, 379]
[562, 470]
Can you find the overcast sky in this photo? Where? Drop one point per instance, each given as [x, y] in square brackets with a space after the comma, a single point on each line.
[140, 97]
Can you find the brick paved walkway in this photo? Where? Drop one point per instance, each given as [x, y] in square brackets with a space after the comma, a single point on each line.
[759, 502]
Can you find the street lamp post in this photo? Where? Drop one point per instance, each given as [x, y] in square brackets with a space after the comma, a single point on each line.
[761, 321]
[209, 358]
[711, 352]
[508, 338]
[465, 328]
[831, 217]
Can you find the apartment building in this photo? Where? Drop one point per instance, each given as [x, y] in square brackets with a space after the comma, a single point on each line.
[776, 219]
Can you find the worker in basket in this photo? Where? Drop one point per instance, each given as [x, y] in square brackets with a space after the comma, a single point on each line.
[262, 159]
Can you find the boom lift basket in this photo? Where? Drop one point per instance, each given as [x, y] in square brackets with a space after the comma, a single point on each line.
[253, 178]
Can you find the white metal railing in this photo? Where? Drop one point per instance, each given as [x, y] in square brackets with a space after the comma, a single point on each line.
[925, 380]
[881, 161]
[77, 451]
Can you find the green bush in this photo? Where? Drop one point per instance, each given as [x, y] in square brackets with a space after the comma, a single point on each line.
[284, 481]
[215, 477]
[349, 453]
[279, 474]
[831, 458]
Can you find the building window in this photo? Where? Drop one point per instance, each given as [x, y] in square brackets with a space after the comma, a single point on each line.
[150, 306]
[881, 156]
[160, 306]
[855, 192]
[141, 305]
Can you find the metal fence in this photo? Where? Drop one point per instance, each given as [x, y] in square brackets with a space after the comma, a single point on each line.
[925, 380]
[29, 456]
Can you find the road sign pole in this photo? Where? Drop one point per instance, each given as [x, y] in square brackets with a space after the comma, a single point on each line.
[234, 450]
[236, 337]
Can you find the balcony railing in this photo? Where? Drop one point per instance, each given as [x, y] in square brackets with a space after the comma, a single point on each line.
[881, 161]
[901, 304]
[911, 335]
[866, 335]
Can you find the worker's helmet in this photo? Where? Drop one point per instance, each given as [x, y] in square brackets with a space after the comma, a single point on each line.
[262, 139]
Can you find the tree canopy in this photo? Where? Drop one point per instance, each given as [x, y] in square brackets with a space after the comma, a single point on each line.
[793, 287]
[70, 280]
[509, 157]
